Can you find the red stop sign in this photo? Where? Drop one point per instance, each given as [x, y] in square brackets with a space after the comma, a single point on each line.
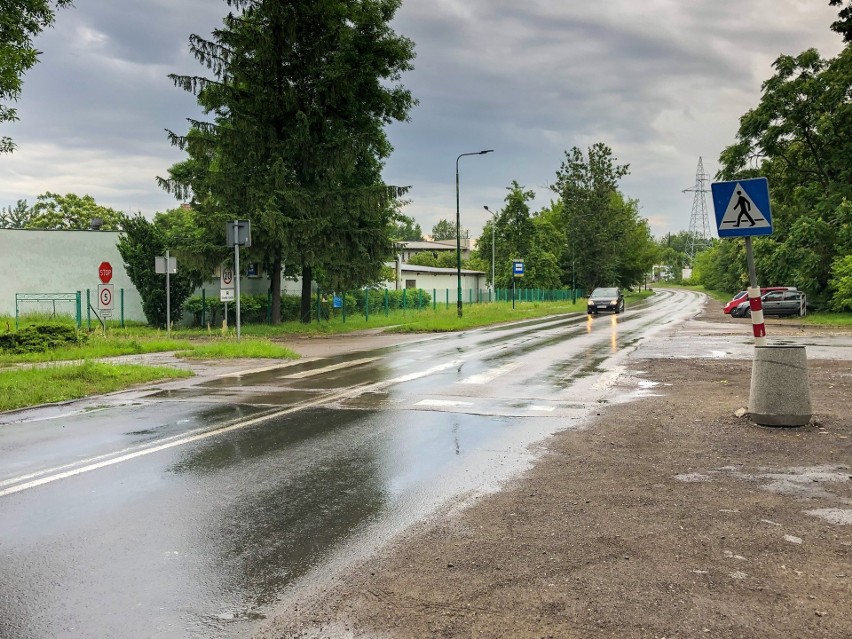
[105, 272]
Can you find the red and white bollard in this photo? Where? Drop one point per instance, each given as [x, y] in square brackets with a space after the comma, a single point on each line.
[757, 325]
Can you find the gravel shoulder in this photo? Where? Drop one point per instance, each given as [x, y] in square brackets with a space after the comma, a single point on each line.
[666, 517]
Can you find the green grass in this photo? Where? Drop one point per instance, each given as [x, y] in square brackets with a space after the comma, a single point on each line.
[22, 387]
[99, 346]
[828, 319]
[638, 296]
[476, 315]
[231, 349]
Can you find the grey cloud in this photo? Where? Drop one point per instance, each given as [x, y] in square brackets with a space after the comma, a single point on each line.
[661, 82]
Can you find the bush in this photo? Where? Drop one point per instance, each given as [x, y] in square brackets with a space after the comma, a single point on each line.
[253, 309]
[40, 337]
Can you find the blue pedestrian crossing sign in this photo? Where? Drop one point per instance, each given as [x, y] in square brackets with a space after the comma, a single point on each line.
[742, 207]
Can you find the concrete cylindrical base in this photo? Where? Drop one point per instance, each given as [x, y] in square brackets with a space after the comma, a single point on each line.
[779, 386]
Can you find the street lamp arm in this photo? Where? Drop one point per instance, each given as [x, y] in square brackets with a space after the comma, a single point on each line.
[475, 153]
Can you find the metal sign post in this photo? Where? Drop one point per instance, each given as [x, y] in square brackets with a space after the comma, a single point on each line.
[238, 234]
[742, 210]
[517, 271]
[168, 299]
[168, 265]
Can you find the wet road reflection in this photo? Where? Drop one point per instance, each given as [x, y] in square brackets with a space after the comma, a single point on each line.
[238, 489]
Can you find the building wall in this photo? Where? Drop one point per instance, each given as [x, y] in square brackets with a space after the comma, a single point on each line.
[38, 261]
[440, 282]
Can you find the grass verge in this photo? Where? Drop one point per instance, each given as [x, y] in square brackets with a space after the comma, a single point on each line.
[22, 387]
[828, 319]
[98, 347]
[231, 349]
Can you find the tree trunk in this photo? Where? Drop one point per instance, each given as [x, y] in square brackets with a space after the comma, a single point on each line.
[275, 277]
[305, 306]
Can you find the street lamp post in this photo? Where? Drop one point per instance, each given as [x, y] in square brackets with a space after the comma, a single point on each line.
[493, 224]
[458, 226]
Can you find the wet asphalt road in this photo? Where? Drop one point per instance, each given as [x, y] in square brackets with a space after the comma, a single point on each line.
[189, 512]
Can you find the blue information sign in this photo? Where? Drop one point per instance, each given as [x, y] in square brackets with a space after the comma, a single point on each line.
[742, 207]
[518, 268]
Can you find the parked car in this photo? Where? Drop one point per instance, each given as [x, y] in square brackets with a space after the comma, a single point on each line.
[736, 300]
[777, 303]
[605, 299]
[742, 296]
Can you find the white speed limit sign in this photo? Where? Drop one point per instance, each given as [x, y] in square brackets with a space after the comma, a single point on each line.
[106, 299]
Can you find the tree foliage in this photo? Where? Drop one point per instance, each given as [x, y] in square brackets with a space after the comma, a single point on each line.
[61, 212]
[673, 253]
[15, 217]
[520, 234]
[444, 230]
[20, 22]
[607, 243]
[143, 240]
[440, 259]
[407, 230]
[843, 24]
[800, 137]
[300, 94]
[54, 211]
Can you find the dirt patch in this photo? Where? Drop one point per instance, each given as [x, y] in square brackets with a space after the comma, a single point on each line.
[667, 517]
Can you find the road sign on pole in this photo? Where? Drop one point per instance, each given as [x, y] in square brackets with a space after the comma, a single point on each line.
[226, 281]
[162, 268]
[742, 210]
[106, 298]
[238, 233]
[105, 272]
[518, 268]
[742, 207]
[168, 265]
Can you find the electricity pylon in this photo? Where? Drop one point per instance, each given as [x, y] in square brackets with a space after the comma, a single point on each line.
[700, 233]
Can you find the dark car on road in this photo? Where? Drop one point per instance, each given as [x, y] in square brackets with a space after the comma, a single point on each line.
[777, 303]
[605, 299]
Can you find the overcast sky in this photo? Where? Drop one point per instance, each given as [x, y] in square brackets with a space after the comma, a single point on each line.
[661, 82]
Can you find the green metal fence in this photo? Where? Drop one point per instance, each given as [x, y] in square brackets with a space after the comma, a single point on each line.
[70, 305]
[343, 306]
[66, 305]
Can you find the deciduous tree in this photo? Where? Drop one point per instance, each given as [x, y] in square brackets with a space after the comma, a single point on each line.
[800, 137]
[444, 230]
[407, 230]
[607, 243]
[70, 211]
[143, 240]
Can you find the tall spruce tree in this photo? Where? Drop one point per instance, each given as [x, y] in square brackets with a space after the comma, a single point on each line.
[301, 93]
